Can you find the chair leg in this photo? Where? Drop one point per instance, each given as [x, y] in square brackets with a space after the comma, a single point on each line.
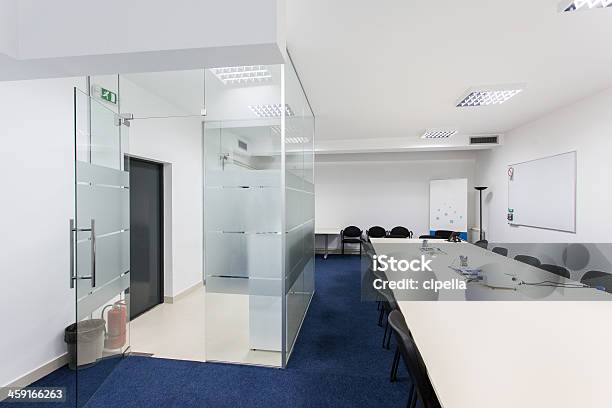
[381, 316]
[385, 335]
[415, 397]
[388, 346]
[395, 365]
[411, 394]
[342, 247]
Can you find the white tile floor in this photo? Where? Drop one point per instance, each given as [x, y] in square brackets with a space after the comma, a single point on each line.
[172, 330]
[177, 330]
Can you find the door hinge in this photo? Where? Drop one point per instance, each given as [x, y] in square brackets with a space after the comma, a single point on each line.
[124, 119]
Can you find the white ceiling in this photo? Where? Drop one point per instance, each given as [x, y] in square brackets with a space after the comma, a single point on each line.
[392, 69]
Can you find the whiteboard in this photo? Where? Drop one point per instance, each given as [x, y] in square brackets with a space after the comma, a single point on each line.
[542, 193]
[448, 205]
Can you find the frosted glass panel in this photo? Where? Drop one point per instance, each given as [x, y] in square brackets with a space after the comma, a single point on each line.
[299, 209]
[112, 258]
[243, 255]
[244, 209]
[108, 206]
[243, 222]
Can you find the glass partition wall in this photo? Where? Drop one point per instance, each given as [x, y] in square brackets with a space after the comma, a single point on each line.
[258, 213]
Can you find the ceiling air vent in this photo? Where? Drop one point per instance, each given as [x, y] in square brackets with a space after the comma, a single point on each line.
[242, 145]
[475, 140]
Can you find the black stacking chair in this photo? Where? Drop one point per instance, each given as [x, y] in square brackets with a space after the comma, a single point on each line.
[376, 232]
[421, 387]
[500, 251]
[351, 235]
[483, 243]
[597, 279]
[557, 270]
[389, 304]
[529, 260]
[400, 232]
[443, 234]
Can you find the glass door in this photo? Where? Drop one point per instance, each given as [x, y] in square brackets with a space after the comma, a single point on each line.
[101, 244]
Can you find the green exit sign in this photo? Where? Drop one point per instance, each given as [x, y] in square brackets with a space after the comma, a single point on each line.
[108, 96]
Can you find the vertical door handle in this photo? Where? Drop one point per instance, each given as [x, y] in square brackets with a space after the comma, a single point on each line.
[93, 253]
[92, 232]
[72, 231]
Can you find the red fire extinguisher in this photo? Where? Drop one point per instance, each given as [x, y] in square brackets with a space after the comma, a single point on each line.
[116, 320]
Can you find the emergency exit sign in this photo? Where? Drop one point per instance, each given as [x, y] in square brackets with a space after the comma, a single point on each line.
[108, 96]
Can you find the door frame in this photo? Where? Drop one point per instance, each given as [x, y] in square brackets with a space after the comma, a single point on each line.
[162, 244]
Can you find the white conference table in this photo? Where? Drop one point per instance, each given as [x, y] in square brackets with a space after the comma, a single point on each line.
[498, 354]
[327, 232]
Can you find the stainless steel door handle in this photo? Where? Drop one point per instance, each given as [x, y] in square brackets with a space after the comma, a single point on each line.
[92, 231]
[93, 253]
[72, 231]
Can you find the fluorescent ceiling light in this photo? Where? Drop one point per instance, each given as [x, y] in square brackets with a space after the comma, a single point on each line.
[485, 97]
[576, 5]
[270, 111]
[243, 75]
[438, 134]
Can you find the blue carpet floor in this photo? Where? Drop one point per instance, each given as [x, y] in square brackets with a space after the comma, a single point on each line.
[337, 361]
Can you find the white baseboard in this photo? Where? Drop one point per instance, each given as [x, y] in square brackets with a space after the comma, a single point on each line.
[38, 373]
[181, 295]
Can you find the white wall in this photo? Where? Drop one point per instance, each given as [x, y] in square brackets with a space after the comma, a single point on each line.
[8, 27]
[177, 142]
[37, 160]
[385, 189]
[585, 126]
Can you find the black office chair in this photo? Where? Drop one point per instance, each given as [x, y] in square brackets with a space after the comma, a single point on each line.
[389, 304]
[351, 235]
[500, 251]
[400, 232]
[597, 279]
[483, 243]
[557, 270]
[443, 234]
[529, 260]
[376, 232]
[420, 386]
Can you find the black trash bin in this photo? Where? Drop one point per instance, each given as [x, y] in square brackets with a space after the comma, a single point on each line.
[85, 341]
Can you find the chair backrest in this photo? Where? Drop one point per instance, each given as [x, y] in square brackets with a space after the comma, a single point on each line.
[557, 270]
[427, 237]
[414, 361]
[352, 232]
[443, 234]
[598, 279]
[483, 243]
[529, 260]
[387, 295]
[377, 232]
[400, 232]
[501, 251]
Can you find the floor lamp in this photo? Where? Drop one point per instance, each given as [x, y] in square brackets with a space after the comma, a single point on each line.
[480, 190]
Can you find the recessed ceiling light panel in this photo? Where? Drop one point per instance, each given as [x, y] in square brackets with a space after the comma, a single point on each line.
[297, 140]
[251, 74]
[438, 134]
[485, 97]
[577, 5]
[270, 111]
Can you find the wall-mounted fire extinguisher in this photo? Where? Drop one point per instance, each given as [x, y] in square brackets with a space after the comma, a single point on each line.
[116, 320]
